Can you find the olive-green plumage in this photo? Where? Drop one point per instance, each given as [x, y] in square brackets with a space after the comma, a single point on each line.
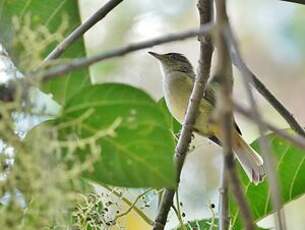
[178, 80]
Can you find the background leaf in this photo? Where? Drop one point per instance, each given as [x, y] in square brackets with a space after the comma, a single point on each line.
[290, 164]
[138, 152]
[30, 29]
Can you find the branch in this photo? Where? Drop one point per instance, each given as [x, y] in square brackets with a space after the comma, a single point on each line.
[270, 167]
[204, 7]
[78, 63]
[224, 220]
[82, 29]
[297, 140]
[302, 2]
[178, 212]
[225, 108]
[129, 203]
[132, 205]
[262, 89]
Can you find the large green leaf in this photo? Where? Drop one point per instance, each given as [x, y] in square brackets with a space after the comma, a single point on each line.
[290, 168]
[138, 149]
[30, 29]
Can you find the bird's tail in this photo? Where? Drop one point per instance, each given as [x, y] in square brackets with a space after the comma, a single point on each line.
[249, 159]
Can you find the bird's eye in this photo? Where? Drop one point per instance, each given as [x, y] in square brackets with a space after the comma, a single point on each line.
[173, 56]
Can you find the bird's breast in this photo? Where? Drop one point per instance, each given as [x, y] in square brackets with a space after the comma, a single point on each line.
[177, 89]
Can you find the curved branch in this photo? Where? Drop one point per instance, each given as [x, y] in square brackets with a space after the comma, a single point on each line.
[224, 106]
[78, 63]
[265, 147]
[302, 2]
[297, 140]
[263, 90]
[83, 28]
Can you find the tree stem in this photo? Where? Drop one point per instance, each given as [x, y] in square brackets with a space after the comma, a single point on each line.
[224, 107]
[205, 7]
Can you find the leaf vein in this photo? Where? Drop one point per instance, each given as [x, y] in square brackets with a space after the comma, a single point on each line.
[295, 177]
[55, 11]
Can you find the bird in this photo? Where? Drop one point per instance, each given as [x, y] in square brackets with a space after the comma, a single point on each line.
[178, 77]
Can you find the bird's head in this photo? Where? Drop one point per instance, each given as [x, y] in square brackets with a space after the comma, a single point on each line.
[174, 62]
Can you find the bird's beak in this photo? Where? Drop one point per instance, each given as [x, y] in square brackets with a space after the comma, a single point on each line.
[158, 56]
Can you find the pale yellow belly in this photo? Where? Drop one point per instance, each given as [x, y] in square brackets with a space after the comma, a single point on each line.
[177, 101]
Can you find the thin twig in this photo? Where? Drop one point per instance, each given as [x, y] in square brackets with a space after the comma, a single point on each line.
[84, 62]
[133, 205]
[225, 109]
[190, 116]
[82, 29]
[302, 2]
[265, 148]
[263, 90]
[128, 202]
[178, 211]
[166, 203]
[182, 226]
[224, 220]
[294, 139]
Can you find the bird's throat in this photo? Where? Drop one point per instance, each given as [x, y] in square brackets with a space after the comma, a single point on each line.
[177, 88]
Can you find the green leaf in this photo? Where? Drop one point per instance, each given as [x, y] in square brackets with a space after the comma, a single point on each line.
[290, 167]
[30, 29]
[132, 132]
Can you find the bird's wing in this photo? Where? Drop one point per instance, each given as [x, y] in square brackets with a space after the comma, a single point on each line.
[211, 98]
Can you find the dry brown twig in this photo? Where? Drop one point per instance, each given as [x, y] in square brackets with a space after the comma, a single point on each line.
[263, 90]
[224, 219]
[224, 110]
[294, 139]
[265, 148]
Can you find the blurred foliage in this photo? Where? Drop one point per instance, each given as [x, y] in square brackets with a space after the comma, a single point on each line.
[90, 213]
[31, 29]
[37, 188]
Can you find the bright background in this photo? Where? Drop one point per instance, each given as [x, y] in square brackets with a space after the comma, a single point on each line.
[272, 40]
